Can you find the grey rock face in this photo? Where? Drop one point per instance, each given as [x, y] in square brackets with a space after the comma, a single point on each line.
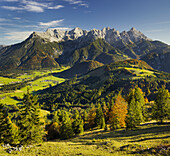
[112, 36]
[136, 35]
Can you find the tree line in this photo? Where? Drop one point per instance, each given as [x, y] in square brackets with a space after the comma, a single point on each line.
[127, 112]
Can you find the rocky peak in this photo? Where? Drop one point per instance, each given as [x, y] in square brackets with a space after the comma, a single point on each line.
[112, 36]
[125, 36]
[133, 29]
[136, 35]
[74, 33]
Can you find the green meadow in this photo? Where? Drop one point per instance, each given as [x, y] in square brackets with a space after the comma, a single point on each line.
[46, 80]
[149, 139]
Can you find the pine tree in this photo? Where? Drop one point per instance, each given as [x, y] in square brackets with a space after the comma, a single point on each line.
[31, 129]
[77, 123]
[161, 109]
[118, 113]
[99, 119]
[8, 130]
[66, 126]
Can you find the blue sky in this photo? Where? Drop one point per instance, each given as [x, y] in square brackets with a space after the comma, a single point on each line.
[19, 18]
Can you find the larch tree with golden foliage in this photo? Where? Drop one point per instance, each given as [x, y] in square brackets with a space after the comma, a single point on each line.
[118, 112]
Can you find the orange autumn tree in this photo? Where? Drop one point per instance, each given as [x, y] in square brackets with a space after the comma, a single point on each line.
[118, 112]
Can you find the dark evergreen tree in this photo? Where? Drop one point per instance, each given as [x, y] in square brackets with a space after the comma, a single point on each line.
[77, 123]
[31, 129]
[99, 119]
[8, 130]
[131, 121]
[161, 109]
[66, 126]
[135, 108]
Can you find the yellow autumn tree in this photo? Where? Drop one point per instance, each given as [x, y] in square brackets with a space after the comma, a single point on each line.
[118, 112]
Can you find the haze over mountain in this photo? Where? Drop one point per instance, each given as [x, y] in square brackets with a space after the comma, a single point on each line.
[68, 47]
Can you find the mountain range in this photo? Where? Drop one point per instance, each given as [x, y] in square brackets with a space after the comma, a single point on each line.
[57, 47]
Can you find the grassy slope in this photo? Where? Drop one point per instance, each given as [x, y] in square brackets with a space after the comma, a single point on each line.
[36, 85]
[97, 142]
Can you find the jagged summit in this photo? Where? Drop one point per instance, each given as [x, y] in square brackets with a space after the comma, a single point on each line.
[133, 29]
[112, 36]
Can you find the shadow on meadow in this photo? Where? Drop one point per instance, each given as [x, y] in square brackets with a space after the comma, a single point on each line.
[125, 134]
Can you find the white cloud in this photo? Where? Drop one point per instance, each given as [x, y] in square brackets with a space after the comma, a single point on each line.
[31, 6]
[17, 35]
[12, 8]
[63, 28]
[85, 5]
[56, 7]
[16, 18]
[3, 19]
[26, 2]
[34, 8]
[78, 2]
[51, 23]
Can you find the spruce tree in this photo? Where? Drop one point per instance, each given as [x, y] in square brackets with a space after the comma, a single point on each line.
[77, 123]
[136, 104]
[8, 130]
[31, 129]
[99, 119]
[66, 126]
[131, 121]
[161, 109]
[139, 97]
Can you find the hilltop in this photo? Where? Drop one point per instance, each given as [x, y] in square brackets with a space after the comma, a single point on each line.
[80, 69]
[106, 80]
